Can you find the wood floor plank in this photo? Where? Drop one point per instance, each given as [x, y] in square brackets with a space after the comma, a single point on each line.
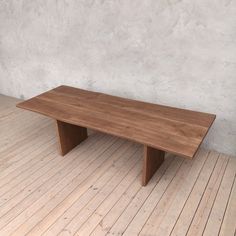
[12, 125]
[8, 100]
[22, 146]
[52, 161]
[124, 185]
[45, 140]
[217, 212]
[61, 186]
[208, 198]
[14, 129]
[187, 214]
[118, 184]
[13, 145]
[141, 208]
[18, 138]
[102, 220]
[92, 192]
[68, 192]
[159, 213]
[53, 180]
[167, 212]
[95, 189]
[65, 211]
[9, 165]
[10, 114]
[34, 158]
[18, 129]
[229, 224]
[27, 170]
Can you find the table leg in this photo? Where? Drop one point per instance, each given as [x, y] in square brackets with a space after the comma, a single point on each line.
[152, 160]
[69, 136]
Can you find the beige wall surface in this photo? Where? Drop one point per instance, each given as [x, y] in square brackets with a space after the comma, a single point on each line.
[176, 52]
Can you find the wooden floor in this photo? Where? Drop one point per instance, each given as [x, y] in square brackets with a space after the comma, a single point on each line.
[96, 190]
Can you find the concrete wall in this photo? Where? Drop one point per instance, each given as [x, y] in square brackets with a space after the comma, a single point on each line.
[176, 52]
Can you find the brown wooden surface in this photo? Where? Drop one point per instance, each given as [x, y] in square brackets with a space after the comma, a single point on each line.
[152, 160]
[70, 136]
[165, 128]
[96, 190]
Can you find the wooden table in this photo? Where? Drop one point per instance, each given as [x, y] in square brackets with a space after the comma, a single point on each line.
[159, 128]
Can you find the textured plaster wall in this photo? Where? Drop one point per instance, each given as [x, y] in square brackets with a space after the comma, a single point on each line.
[176, 52]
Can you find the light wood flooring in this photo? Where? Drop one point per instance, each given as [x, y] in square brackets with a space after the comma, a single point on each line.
[96, 190]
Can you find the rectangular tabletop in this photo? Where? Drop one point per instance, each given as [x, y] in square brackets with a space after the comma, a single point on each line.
[174, 130]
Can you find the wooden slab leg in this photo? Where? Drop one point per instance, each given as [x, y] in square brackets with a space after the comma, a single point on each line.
[152, 160]
[70, 136]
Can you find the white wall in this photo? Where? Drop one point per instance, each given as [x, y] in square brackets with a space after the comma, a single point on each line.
[179, 53]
